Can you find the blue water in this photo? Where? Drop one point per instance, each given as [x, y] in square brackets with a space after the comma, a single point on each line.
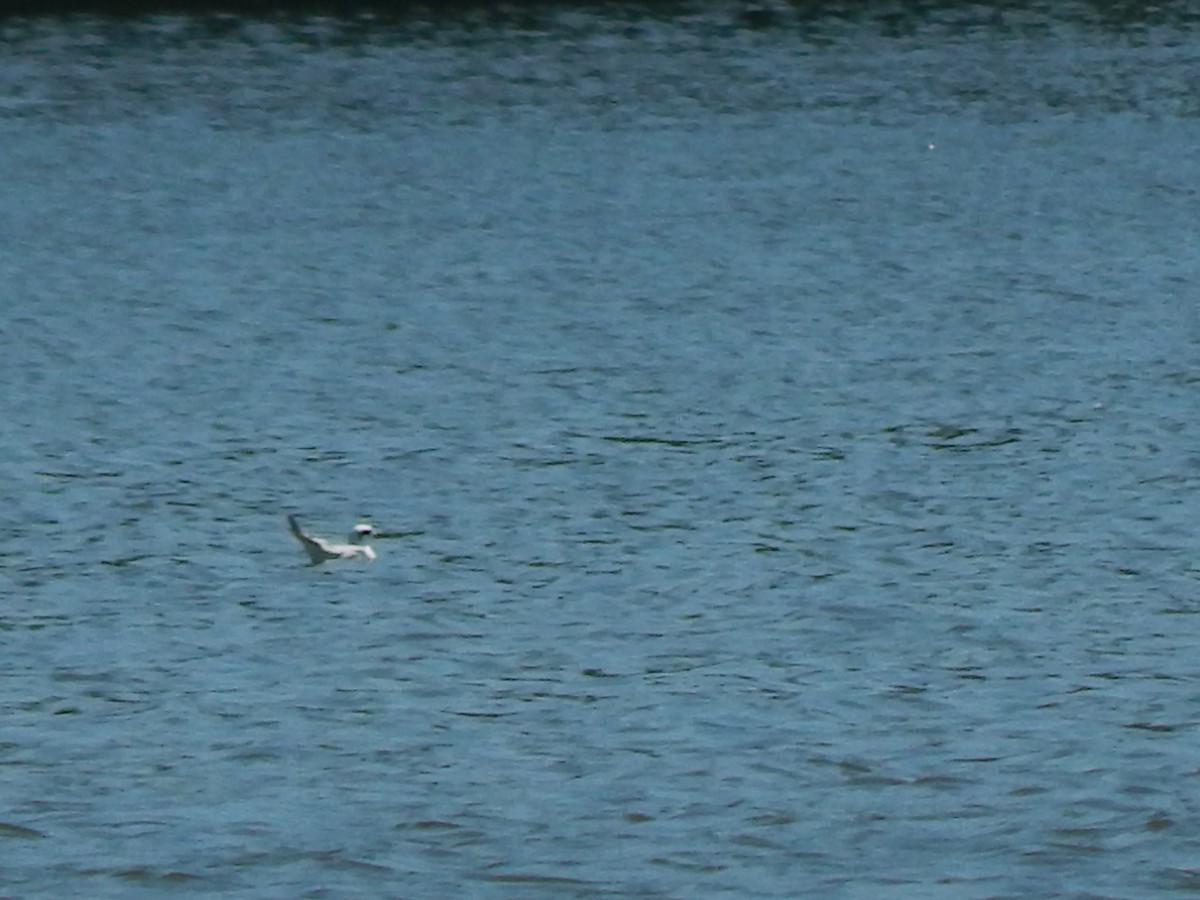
[783, 441]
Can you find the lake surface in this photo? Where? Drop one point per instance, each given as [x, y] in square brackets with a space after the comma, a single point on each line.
[782, 433]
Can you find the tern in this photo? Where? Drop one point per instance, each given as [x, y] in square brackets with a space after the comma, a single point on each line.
[319, 550]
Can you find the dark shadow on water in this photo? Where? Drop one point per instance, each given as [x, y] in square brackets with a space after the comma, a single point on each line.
[889, 16]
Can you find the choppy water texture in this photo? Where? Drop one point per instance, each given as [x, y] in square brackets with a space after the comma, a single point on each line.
[784, 434]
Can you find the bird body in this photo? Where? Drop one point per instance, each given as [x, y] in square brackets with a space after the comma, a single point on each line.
[320, 550]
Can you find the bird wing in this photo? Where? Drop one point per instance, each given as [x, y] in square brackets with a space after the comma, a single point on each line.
[312, 546]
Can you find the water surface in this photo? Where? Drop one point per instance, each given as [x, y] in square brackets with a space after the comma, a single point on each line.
[783, 436]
